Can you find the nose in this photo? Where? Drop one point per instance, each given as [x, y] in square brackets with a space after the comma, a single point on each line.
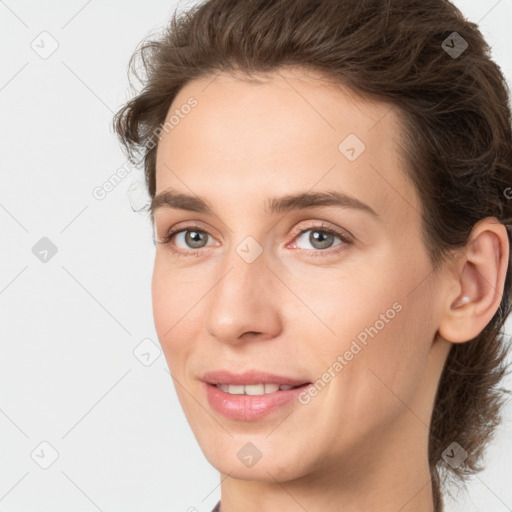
[244, 303]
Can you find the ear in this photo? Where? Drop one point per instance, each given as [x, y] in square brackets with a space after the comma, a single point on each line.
[478, 282]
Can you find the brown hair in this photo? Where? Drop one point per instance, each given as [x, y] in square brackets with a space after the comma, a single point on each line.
[456, 138]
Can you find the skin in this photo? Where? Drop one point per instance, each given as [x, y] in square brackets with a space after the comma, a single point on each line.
[361, 443]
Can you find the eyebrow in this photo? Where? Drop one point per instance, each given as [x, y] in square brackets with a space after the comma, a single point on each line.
[177, 200]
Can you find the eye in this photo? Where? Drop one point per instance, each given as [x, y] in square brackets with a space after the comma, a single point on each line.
[191, 238]
[321, 239]
[186, 241]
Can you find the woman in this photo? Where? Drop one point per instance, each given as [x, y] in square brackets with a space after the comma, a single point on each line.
[330, 193]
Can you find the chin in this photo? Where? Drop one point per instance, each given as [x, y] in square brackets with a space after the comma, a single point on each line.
[253, 457]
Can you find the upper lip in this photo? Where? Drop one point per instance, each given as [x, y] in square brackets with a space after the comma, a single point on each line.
[249, 377]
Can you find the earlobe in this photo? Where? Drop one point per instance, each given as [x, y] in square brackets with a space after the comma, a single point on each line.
[480, 277]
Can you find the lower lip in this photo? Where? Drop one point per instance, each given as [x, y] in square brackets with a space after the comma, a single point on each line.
[249, 407]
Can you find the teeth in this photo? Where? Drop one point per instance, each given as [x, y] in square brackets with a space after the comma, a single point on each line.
[252, 389]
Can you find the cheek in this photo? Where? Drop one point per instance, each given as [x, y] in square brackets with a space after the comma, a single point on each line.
[340, 305]
[163, 295]
[175, 315]
[379, 321]
[374, 379]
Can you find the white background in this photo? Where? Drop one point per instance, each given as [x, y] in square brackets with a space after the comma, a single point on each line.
[69, 326]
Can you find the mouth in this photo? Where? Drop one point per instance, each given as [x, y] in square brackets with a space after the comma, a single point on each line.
[252, 395]
[255, 389]
[251, 378]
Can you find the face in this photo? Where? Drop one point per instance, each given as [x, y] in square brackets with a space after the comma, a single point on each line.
[297, 261]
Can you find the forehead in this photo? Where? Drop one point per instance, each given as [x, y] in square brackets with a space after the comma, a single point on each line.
[292, 130]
